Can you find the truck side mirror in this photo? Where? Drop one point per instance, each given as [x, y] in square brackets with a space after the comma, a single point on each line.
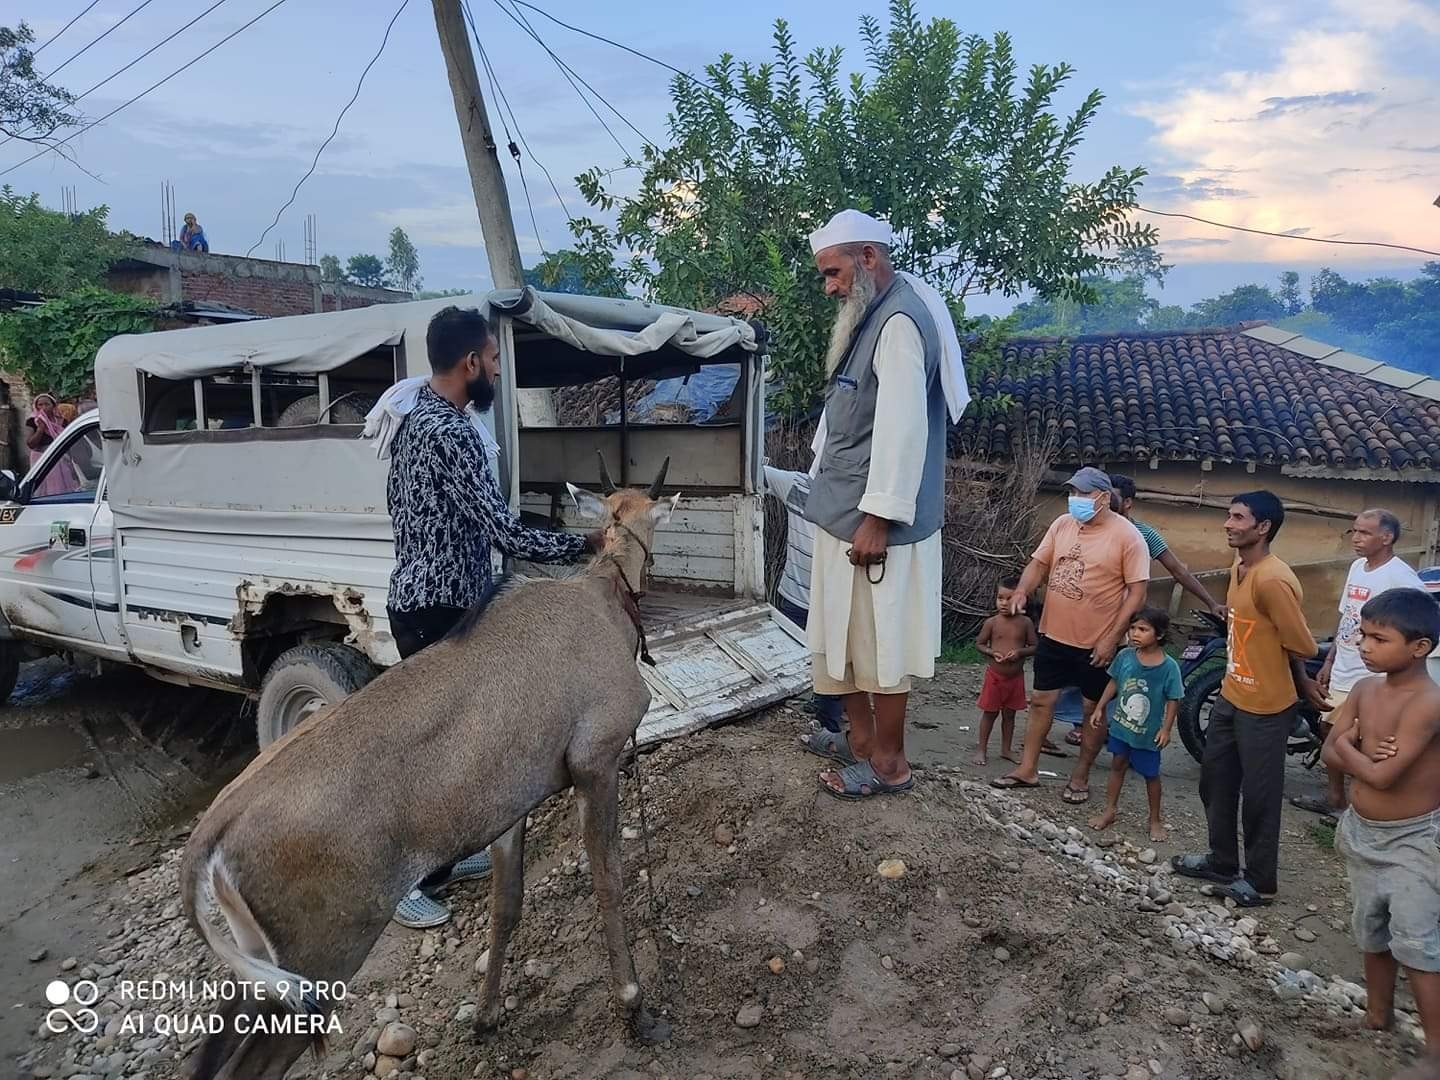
[9, 486]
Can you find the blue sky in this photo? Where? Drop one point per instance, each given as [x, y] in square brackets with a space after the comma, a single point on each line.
[1315, 117]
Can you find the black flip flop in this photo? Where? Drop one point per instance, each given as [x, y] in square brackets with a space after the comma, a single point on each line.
[1244, 894]
[1199, 866]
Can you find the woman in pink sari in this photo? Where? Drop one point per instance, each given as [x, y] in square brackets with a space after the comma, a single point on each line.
[42, 428]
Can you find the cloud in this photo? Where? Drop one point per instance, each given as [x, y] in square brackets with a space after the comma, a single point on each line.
[1326, 124]
[1189, 242]
[1297, 103]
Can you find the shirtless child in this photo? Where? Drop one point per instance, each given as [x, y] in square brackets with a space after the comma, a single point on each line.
[1386, 736]
[1008, 640]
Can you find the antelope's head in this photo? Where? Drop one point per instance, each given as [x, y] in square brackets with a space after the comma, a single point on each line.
[628, 517]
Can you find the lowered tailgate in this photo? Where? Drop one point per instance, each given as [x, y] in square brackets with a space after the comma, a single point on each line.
[718, 665]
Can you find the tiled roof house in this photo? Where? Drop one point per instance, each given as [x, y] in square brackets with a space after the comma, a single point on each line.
[1197, 416]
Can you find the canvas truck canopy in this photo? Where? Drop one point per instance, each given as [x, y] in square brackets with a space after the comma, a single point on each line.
[263, 418]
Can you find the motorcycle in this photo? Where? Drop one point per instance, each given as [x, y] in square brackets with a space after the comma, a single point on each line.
[1202, 668]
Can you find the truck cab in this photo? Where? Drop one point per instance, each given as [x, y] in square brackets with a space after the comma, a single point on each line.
[219, 521]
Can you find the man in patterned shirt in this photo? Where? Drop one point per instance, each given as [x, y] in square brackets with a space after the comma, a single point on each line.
[448, 511]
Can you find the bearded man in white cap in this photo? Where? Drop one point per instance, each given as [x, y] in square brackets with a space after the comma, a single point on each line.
[878, 499]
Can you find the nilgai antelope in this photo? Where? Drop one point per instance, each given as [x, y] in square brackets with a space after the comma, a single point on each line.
[307, 852]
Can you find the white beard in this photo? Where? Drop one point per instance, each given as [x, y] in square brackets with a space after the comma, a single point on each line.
[862, 294]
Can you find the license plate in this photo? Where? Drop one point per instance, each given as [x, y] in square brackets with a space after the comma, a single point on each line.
[1192, 652]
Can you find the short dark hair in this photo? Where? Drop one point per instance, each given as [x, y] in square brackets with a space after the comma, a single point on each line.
[1158, 618]
[1386, 520]
[1010, 581]
[1411, 611]
[1263, 506]
[453, 333]
[1124, 485]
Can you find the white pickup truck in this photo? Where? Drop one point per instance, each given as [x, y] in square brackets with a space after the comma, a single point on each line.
[219, 521]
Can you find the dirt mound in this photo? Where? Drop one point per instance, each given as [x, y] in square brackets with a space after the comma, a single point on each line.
[777, 950]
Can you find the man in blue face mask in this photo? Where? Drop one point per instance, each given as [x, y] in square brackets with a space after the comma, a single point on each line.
[1094, 567]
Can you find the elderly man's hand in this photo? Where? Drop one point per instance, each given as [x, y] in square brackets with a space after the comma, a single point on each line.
[871, 540]
[1019, 601]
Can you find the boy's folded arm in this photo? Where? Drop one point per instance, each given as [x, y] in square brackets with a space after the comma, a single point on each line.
[1413, 735]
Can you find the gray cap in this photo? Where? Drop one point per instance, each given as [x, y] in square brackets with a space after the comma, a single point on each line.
[1089, 480]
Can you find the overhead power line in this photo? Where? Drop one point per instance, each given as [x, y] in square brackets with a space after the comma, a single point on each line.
[501, 104]
[96, 41]
[1162, 213]
[1287, 236]
[571, 75]
[334, 130]
[67, 26]
[505, 104]
[149, 89]
[626, 48]
[153, 48]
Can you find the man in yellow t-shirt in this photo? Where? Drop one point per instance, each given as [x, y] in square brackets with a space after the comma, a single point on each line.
[1268, 643]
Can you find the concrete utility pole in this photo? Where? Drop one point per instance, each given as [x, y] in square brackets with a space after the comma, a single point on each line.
[536, 408]
[486, 179]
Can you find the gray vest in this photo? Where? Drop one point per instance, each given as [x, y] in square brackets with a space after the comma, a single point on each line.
[836, 492]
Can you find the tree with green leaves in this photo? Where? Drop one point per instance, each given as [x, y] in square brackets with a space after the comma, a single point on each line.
[943, 135]
[1289, 293]
[366, 270]
[48, 252]
[403, 266]
[54, 344]
[566, 271]
[1244, 303]
[330, 269]
[31, 108]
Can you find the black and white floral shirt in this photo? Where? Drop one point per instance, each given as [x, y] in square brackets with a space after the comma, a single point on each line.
[447, 509]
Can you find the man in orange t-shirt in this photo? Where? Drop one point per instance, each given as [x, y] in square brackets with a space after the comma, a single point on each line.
[1094, 566]
[1250, 725]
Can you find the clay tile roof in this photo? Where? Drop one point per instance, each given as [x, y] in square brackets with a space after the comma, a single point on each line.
[1220, 394]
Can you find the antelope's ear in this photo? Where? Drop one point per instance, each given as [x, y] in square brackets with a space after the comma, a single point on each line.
[591, 506]
[661, 511]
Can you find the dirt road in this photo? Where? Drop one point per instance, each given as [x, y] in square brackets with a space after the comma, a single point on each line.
[1008, 947]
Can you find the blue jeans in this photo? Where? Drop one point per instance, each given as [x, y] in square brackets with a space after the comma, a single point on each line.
[829, 709]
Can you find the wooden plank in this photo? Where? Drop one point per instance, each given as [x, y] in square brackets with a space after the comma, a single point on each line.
[708, 457]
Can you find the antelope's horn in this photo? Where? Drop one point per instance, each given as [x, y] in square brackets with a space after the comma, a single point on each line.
[606, 484]
[659, 479]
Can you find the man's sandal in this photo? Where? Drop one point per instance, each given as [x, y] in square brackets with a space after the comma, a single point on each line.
[861, 781]
[830, 745]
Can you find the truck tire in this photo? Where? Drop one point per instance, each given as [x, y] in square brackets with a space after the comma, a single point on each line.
[9, 668]
[302, 681]
[306, 411]
[1201, 693]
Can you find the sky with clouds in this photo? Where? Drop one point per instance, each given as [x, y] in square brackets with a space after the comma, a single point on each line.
[1315, 119]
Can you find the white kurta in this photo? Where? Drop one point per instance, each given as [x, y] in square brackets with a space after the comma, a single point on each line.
[877, 646]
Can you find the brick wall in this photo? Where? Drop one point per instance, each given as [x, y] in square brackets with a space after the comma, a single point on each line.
[264, 296]
[263, 286]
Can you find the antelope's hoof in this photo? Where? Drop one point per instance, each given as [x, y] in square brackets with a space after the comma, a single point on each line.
[486, 1025]
[650, 1029]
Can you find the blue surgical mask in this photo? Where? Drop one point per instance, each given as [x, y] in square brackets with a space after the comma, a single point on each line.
[1082, 507]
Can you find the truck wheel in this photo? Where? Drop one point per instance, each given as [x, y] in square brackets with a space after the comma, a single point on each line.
[9, 668]
[1201, 693]
[306, 411]
[304, 680]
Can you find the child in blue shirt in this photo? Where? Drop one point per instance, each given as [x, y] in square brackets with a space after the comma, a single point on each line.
[1147, 687]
